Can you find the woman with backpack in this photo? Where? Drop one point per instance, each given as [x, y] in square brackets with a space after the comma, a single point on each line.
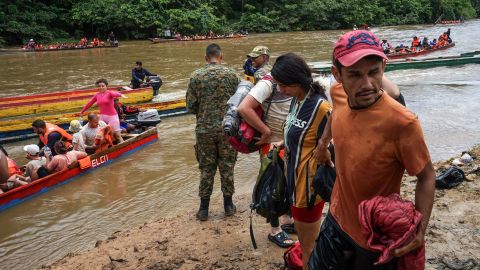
[306, 120]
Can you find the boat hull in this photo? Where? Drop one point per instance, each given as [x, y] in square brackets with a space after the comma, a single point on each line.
[412, 63]
[67, 49]
[161, 40]
[23, 193]
[419, 53]
[18, 129]
[63, 101]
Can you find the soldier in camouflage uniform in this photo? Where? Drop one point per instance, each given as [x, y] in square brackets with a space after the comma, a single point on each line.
[260, 56]
[209, 89]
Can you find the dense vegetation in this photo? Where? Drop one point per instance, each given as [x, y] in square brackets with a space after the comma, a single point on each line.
[46, 20]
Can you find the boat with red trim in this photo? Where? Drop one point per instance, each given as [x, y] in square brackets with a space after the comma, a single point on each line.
[132, 143]
[420, 52]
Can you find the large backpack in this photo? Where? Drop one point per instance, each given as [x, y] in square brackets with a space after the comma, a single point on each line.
[270, 195]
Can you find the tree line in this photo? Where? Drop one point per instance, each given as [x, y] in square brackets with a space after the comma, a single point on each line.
[49, 20]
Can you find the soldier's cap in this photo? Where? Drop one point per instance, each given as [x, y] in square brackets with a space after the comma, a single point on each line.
[259, 50]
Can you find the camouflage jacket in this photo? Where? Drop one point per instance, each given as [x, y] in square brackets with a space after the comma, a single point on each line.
[208, 91]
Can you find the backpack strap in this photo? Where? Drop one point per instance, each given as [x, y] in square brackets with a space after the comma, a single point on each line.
[252, 235]
[269, 78]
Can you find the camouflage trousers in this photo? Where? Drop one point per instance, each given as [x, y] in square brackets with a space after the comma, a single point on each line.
[213, 150]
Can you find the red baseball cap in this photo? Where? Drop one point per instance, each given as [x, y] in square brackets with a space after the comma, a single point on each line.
[355, 45]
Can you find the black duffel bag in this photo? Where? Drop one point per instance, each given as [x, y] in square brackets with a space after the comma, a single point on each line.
[450, 178]
[324, 178]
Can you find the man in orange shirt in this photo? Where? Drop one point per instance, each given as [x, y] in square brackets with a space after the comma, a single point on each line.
[376, 139]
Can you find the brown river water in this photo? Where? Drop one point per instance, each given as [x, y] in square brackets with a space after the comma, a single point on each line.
[162, 179]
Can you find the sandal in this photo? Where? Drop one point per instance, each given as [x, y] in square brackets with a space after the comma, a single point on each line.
[281, 239]
[288, 228]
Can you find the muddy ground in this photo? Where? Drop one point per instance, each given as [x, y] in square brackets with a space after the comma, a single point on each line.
[182, 242]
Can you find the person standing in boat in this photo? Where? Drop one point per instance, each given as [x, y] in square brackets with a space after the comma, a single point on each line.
[111, 39]
[209, 89]
[49, 134]
[105, 101]
[139, 74]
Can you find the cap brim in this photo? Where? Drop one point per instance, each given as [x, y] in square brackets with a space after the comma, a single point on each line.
[352, 58]
[253, 55]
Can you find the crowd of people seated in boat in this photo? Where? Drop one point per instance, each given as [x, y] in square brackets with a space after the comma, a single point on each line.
[57, 149]
[210, 35]
[418, 44]
[83, 43]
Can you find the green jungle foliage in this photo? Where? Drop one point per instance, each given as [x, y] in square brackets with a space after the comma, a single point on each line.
[49, 20]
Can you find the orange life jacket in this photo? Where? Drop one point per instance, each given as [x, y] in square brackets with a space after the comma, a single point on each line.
[54, 128]
[13, 167]
[106, 138]
[415, 43]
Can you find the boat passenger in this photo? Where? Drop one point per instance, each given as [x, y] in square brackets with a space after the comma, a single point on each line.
[260, 56]
[63, 159]
[425, 44]
[15, 175]
[386, 46]
[3, 169]
[90, 130]
[433, 43]
[111, 39]
[449, 39]
[104, 139]
[36, 162]
[104, 99]
[122, 111]
[31, 44]
[49, 134]
[77, 137]
[416, 44]
[139, 74]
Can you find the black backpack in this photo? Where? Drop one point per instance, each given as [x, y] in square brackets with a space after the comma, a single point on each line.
[270, 195]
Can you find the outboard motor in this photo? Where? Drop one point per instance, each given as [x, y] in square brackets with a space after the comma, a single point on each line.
[149, 118]
[231, 121]
[156, 82]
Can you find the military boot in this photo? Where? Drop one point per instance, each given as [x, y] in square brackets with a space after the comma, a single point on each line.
[230, 208]
[202, 213]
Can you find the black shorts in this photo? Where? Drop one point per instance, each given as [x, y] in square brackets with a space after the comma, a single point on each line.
[336, 250]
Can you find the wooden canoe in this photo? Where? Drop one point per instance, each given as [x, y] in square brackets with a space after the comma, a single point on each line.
[23, 193]
[66, 49]
[19, 128]
[463, 59]
[164, 40]
[64, 101]
[419, 53]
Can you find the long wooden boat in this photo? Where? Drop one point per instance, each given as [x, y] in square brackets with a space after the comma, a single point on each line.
[23, 193]
[19, 128]
[64, 101]
[452, 22]
[419, 53]
[164, 40]
[66, 48]
[463, 59]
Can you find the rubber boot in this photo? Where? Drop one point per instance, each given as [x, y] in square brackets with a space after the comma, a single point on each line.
[202, 213]
[230, 208]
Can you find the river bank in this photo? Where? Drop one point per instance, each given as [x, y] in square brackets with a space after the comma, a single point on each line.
[182, 242]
